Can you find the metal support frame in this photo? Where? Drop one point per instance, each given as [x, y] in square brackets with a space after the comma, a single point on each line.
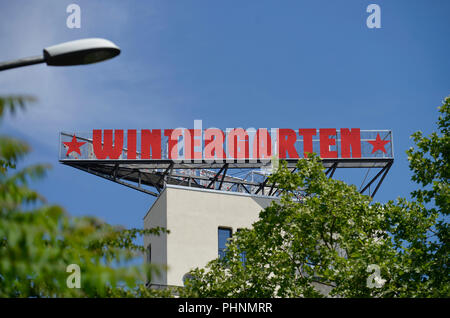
[383, 172]
[116, 180]
[139, 176]
[223, 176]
[214, 179]
[331, 170]
[262, 186]
[164, 174]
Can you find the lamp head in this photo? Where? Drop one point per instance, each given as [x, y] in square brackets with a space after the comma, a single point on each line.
[78, 52]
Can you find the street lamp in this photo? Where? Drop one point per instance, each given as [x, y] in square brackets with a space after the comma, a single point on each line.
[84, 51]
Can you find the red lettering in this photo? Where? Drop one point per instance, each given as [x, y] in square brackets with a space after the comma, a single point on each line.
[131, 144]
[326, 142]
[214, 139]
[107, 149]
[307, 140]
[350, 138]
[173, 135]
[286, 141]
[191, 142]
[151, 140]
[262, 146]
[238, 147]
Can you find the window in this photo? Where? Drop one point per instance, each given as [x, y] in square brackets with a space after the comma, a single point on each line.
[149, 253]
[224, 236]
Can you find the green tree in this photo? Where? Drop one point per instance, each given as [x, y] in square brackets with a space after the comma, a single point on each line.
[38, 241]
[323, 242]
[430, 164]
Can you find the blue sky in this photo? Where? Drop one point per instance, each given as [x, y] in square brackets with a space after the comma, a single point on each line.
[253, 63]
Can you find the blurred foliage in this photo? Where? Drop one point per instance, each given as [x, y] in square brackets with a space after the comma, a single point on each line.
[322, 243]
[12, 103]
[38, 241]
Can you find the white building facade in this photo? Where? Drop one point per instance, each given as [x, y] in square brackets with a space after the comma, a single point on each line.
[198, 220]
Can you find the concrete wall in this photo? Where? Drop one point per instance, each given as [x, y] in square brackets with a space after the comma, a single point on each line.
[193, 217]
[156, 216]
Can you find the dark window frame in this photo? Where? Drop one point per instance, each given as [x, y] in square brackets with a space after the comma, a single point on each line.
[222, 250]
[149, 253]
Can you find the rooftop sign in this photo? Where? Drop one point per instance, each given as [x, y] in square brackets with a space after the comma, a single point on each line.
[204, 158]
[230, 145]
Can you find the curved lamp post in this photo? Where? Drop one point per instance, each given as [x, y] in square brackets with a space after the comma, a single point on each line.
[78, 52]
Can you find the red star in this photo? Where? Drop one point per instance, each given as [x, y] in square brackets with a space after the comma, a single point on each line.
[378, 144]
[74, 145]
